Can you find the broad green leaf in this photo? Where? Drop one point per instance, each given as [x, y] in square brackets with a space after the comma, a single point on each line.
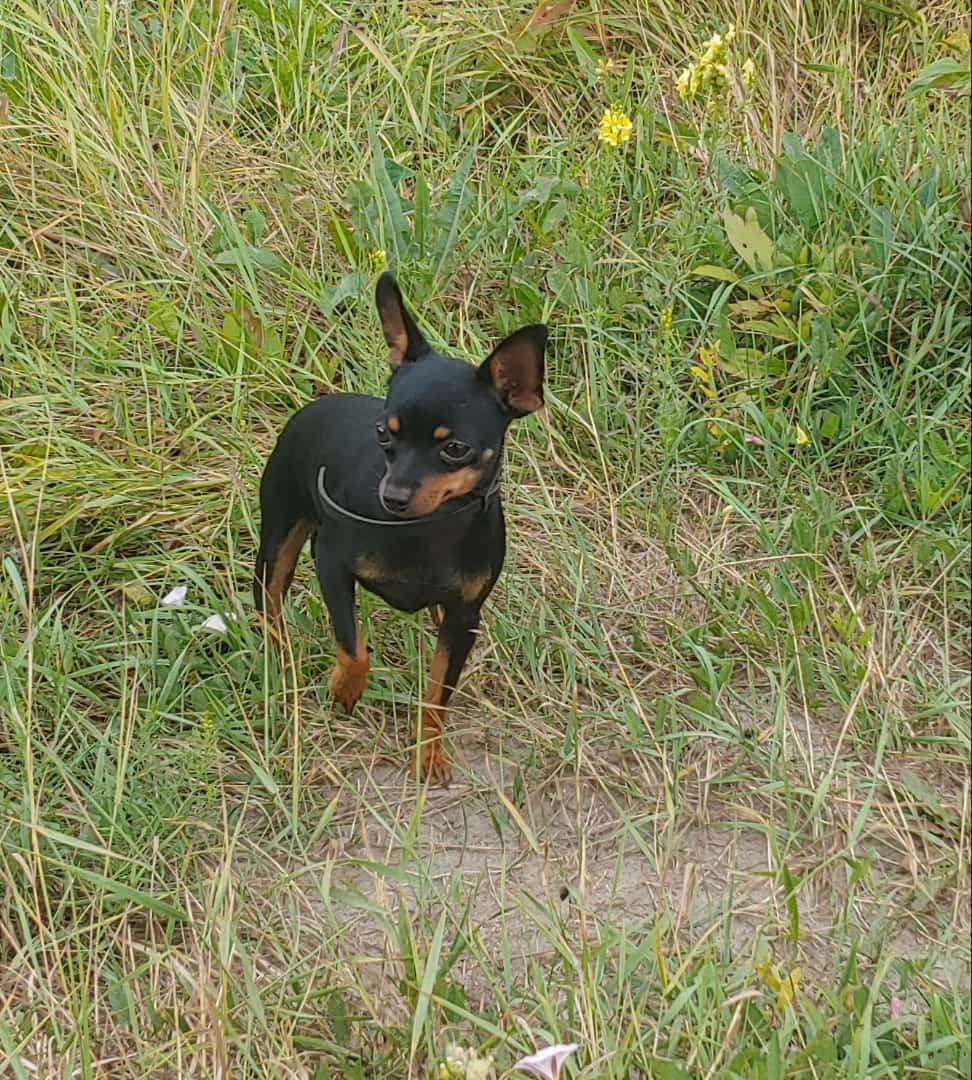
[660, 1069]
[751, 309]
[256, 225]
[138, 595]
[719, 273]
[749, 241]
[262, 257]
[161, 315]
[246, 257]
[927, 797]
[777, 327]
[447, 220]
[806, 188]
[944, 74]
[396, 224]
[232, 329]
[350, 285]
[586, 57]
[821, 338]
[261, 774]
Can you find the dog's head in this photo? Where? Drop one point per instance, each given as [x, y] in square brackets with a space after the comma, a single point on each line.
[444, 420]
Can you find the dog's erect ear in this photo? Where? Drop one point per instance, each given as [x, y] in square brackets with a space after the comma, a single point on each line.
[405, 341]
[515, 370]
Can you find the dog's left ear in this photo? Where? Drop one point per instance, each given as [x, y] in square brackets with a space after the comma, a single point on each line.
[403, 337]
[515, 370]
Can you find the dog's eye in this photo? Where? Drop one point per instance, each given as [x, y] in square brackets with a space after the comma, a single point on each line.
[384, 439]
[455, 453]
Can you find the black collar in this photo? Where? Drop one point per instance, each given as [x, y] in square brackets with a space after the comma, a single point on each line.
[334, 510]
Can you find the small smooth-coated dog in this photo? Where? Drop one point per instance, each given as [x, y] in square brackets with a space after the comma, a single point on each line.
[400, 496]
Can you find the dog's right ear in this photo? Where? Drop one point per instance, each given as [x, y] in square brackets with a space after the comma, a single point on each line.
[405, 341]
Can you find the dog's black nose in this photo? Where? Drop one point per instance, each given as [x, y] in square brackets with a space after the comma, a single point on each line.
[396, 499]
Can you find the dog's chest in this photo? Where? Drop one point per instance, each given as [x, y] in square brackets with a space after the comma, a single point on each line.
[409, 584]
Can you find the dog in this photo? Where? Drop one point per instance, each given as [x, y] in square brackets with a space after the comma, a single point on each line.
[400, 496]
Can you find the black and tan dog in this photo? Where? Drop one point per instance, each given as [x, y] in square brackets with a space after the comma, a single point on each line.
[402, 497]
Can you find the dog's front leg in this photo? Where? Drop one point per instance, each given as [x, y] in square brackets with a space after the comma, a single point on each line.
[456, 636]
[350, 673]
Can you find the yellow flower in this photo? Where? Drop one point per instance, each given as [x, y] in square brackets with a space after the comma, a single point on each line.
[606, 67]
[784, 986]
[748, 73]
[377, 259]
[615, 127]
[709, 354]
[715, 51]
[687, 83]
[709, 70]
[704, 370]
[665, 319]
[802, 438]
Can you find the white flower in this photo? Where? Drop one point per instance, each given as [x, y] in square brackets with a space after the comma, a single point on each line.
[214, 622]
[478, 1068]
[175, 597]
[546, 1062]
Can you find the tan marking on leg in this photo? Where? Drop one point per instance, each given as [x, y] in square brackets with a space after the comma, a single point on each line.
[432, 761]
[393, 424]
[349, 676]
[472, 588]
[441, 433]
[437, 611]
[281, 575]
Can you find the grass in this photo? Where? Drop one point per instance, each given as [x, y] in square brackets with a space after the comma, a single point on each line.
[713, 810]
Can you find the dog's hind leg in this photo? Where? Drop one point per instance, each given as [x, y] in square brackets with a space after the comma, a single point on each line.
[279, 550]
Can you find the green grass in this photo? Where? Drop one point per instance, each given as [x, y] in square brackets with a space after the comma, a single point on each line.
[712, 815]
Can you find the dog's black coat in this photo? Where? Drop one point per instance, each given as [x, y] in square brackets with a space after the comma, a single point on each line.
[422, 467]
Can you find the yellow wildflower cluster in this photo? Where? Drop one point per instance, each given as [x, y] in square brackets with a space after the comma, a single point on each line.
[748, 73]
[607, 67]
[704, 370]
[378, 259]
[709, 71]
[665, 320]
[615, 127]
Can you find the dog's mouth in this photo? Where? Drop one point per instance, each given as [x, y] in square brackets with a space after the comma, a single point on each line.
[402, 509]
[402, 512]
[426, 499]
[407, 511]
